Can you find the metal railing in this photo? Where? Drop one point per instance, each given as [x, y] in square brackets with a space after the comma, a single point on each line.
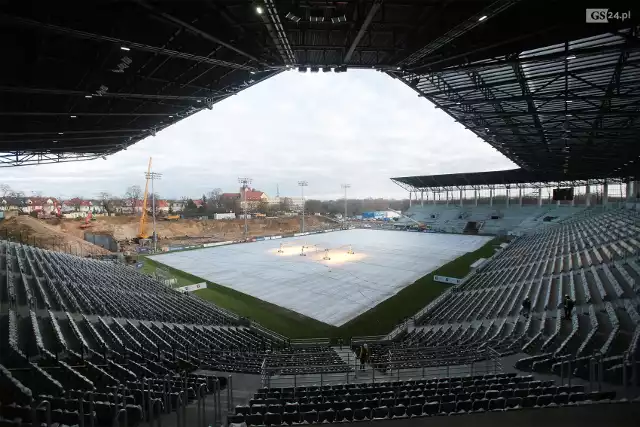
[480, 361]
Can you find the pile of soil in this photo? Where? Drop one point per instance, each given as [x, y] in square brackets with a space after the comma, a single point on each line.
[47, 235]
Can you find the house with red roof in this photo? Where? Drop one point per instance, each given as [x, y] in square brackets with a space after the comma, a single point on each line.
[46, 205]
[251, 195]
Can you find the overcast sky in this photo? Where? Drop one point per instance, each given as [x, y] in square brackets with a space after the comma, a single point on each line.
[359, 127]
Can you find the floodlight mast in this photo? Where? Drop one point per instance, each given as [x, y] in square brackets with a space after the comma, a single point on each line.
[303, 184]
[245, 184]
[345, 186]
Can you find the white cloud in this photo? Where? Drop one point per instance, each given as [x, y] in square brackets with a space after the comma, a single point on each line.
[360, 127]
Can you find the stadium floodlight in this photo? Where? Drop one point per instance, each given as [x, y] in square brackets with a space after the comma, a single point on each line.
[245, 184]
[124, 48]
[482, 18]
[259, 10]
[303, 184]
[345, 186]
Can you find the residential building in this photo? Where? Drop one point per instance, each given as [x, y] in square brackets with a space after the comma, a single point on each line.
[176, 205]
[253, 197]
[77, 205]
[16, 204]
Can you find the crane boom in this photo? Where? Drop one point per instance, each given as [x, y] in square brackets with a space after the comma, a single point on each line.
[142, 232]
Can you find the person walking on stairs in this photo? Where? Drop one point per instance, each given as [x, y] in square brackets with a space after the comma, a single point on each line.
[568, 307]
[364, 356]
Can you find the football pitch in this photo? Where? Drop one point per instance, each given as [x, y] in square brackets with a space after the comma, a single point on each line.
[344, 283]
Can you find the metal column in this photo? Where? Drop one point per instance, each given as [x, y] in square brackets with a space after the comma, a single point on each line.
[520, 197]
[587, 196]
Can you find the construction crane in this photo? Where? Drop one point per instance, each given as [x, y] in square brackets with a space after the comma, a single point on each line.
[142, 231]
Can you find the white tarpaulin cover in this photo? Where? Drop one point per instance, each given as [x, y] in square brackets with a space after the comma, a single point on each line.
[333, 291]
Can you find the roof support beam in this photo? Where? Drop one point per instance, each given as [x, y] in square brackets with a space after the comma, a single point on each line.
[365, 24]
[172, 19]
[524, 87]
[544, 77]
[23, 22]
[278, 35]
[80, 114]
[492, 11]
[45, 91]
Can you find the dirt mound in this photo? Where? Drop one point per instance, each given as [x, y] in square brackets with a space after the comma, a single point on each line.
[39, 233]
[126, 227]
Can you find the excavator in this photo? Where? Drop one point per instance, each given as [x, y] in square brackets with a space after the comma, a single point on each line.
[87, 221]
[142, 230]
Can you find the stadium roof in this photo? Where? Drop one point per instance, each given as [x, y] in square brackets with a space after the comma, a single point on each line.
[89, 80]
[503, 178]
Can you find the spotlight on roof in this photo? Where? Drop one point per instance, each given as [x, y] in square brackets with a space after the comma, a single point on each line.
[73, 117]
[326, 69]
[570, 57]
[60, 133]
[482, 18]
[314, 69]
[339, 19]
[88, 96]
[259, 10]
[252, 72]
[292, 17]
[170, 117]
[316, 18]
[302, 69]
[124, 48]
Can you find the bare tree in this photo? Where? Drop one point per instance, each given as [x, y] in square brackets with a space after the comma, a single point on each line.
[133, 196]
[5, 190]
[108, 202]
[214, 199]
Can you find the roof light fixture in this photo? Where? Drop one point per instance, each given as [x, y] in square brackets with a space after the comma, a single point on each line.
[252, 72]
[292, 17]
[124, 48]
[88, 96]
[60, 133]
[259, 10]
[570, 57]
[339, 19]
[170, 117]
[482, 18]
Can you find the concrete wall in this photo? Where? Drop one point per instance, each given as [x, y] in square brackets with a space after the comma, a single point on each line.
[104, 241]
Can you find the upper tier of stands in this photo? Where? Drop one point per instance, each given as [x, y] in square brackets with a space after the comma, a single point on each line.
[489, 219]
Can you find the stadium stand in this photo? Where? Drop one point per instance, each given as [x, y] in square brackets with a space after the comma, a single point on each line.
[491, 220]
[592, 257]
[79, 328]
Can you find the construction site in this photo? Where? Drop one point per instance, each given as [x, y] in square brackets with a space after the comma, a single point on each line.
[69, 235]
